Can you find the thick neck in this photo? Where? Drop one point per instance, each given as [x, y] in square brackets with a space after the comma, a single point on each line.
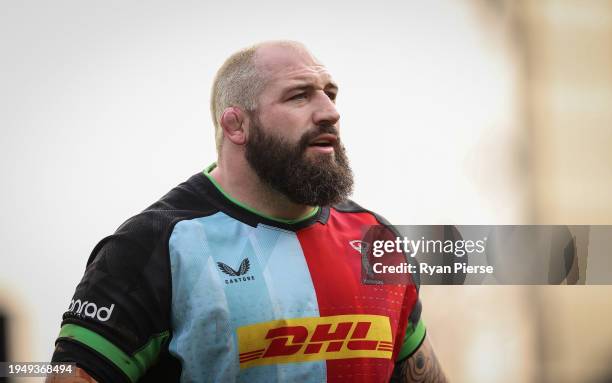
[243, 187]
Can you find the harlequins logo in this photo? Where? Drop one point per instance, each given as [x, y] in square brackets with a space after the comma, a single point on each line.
[361, 246]
[244, 267]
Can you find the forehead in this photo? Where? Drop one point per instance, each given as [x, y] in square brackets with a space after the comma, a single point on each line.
[284, 65]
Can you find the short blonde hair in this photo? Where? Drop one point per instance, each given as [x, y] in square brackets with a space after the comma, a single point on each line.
[239, 82]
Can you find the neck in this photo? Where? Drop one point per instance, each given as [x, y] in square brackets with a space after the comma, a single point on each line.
[241, 183]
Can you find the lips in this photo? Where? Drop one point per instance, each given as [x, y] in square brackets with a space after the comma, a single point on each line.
[324, 141]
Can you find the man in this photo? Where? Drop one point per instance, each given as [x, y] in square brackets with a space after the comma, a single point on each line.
[245, 271]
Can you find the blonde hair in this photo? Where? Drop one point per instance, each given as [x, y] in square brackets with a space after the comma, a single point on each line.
[238, 83]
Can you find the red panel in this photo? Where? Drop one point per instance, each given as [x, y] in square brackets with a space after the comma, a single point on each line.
[335, 269]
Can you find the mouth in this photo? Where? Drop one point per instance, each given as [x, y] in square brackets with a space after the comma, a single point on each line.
[324, 142]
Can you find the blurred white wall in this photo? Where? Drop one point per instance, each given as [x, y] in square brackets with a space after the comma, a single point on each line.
[104, 107]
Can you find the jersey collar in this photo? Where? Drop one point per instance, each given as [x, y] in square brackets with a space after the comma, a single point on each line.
[316, 214]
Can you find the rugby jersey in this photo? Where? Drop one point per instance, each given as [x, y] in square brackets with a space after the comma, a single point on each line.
[200, 288]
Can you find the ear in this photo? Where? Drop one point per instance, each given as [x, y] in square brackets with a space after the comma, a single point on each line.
[232, 123]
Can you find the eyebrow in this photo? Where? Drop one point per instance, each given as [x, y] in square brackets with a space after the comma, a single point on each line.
[309, 86]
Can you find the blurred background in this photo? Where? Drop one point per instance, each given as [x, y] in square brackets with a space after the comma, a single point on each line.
[453, 112]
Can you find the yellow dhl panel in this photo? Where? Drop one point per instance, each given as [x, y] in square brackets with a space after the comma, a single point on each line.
[315, 338]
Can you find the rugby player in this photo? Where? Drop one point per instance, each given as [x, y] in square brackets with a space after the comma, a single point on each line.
[247, 270]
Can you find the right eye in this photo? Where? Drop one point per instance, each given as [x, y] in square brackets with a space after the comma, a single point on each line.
[298, 96]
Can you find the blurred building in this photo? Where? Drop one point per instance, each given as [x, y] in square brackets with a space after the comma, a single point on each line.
[551, 333]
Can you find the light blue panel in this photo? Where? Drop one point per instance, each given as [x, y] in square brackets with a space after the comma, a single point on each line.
[200, 312]
[292, 295]
[206, 310]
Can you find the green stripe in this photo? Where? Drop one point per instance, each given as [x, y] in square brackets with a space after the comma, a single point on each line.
[134, 366]
[412, 340]
[229, 197]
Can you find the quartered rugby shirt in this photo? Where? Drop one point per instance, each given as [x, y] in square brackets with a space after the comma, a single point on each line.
[200, 288]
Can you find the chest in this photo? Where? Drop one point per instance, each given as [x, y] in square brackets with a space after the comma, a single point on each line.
[260, 296]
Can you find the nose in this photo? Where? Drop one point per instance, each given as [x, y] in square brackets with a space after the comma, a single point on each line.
[325, 112]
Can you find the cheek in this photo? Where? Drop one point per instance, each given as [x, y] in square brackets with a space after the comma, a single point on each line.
[290, 124]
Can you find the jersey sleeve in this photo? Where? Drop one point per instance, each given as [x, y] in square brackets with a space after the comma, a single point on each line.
[415, 333]
[118, 321]
[415, 328]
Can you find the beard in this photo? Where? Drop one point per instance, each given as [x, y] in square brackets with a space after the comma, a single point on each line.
[322, 180]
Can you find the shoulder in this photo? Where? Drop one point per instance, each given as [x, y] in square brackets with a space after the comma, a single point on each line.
[349, 206]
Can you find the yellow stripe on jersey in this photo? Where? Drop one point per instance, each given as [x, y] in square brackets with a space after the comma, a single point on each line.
[315, 338]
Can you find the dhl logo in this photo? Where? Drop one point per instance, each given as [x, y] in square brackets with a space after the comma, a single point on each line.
[315, 338]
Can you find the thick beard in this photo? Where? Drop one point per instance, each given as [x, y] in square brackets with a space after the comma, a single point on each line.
[323, 180]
